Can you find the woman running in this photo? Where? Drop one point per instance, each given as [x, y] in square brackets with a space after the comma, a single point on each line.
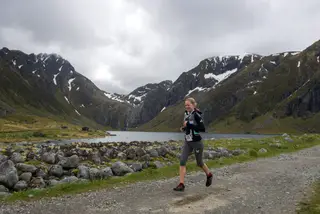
[192, 126]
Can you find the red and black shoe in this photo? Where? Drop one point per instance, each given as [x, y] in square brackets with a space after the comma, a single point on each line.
[209, 180]
[179, 188]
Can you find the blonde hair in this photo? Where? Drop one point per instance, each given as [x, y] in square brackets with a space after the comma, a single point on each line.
[192, 101]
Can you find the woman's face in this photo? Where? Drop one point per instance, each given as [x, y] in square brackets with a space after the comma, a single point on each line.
[189, 106]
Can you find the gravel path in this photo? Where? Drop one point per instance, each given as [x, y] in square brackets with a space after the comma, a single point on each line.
[272, 185]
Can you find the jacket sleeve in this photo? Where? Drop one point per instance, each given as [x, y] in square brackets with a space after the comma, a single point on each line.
[199, 127]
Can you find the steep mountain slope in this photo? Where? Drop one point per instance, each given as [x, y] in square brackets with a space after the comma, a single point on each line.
[263, 96]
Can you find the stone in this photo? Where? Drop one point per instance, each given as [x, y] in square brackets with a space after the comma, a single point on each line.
[70, 162]
[276, 145]
[53, 182]
[56, 170]
[163, 151]
[285, 135]
[69, 179]
[8, 174]
[140, 152]
[153, 153]
[26, 176]
[145, 165]
[120, 169]
[31, 156]
[20, 185]
[3, 189]
[37, 182]
[263, 150]
[237, 152]
[158, 164]
[145, 157]
[3, 158]
[41, 173]
[288, 139]
[106, 172]
[122, 156]
[17, 158]
[94, 174]
[83, 172]
[26, 168]
[207, 155]
[131, 153]
[136, 167]
[48, 157]
[96, 159]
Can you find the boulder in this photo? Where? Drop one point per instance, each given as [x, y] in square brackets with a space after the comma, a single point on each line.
[70, 162]
[8, 174]
[53, 182]
[122, 156]
[131, 153]
[120, 169]
[31, 156]
[3, 189]
[263, 150]
[48, 157]
[17, 158]
[26, 176]
[69, 179]
[26, 168]
[285, 135]
[163, 151]
[3, 158]
[153, 153]
[136, 167]
[37, 182]
[158, 164]
[289, 139]
[40, 173]
[94, 174]
[56, 170]
[83, 172]
[237, 152]
[20, 185]
[140, 152]
[145, 157]
[106, 172]
[96, 159]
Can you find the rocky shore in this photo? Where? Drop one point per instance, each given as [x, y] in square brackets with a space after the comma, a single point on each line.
[34, 165]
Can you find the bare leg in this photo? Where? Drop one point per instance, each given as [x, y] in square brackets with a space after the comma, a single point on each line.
[205, 169]
[183, 171]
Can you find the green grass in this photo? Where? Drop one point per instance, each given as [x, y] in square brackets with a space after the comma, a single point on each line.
[312, 205]
[300, 142]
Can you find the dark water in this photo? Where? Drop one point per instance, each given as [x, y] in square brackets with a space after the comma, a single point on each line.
[125, 136]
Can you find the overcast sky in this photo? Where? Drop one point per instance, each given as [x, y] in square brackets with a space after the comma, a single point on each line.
[123, 44]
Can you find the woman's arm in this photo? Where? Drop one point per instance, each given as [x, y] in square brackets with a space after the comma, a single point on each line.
[199, 127]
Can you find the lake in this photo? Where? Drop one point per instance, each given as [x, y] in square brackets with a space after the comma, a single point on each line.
[128, 136]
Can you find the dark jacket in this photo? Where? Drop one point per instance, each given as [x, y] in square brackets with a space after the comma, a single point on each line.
[194, 126]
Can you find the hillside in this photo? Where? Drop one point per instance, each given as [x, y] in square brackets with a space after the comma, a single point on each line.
[274, 93]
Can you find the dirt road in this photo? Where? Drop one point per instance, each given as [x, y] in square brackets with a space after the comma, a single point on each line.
[272, 185]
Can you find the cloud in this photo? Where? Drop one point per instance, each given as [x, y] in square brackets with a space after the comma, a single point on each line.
[124, 44]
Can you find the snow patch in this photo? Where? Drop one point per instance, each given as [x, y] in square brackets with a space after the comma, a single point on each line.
[71, 72]
[60, 68]
[66, 99]
[255, 92]
[55, 78]
[78, 88]
[113, 97]
[264, 77]
[222, 76]
[34, 71]
[318, 59]
[194, 74]
[285, 54]
[273, 62]
[82, 106]
[252, 59]
[299, 64]
[14, 62]
[196, 89]
[164, 108]
[70, 82]
[38, 75]
[295, 53]
[20, 66]
[77, 112]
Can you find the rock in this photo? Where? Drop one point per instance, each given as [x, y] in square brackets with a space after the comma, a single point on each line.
[20, 185]
[136, 167]
[207, 155]
[276, 145]
[106, 172]
[59, 156]
[285, 135]
[237, 152]
[111, 153]
[122, 156]
[140, 152]
[96, 159]
[26, 176]
[26, 168]
[48, 157]
[70, 162]
[94, 174]
[163, 151]
[17, 158]
[263, 150]
[146, 157]
[131, 153]
[3, 189]
[153, 153]
[8, 174]
[56, 170]
[69, 179]
[120, 169]
[53, 182]
[158, 164]
[288, 139]
[83, 172]
[37, 182]
[3, 158]
[145, 165]
[31, 156]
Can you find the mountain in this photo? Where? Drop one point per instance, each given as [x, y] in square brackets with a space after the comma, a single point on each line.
[267, 94]
[248, 93]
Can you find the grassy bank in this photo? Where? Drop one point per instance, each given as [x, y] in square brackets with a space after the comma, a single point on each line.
[274, 146]
[312, 205]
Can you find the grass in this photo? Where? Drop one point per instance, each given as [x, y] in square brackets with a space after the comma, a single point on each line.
[312, 205]
[300, 142]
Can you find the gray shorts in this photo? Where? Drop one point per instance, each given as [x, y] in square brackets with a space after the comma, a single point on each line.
[188, 148]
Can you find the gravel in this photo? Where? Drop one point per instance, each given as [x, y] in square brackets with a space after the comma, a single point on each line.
[273, 185]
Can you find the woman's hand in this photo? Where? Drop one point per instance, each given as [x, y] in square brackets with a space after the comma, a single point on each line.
[184, 123]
